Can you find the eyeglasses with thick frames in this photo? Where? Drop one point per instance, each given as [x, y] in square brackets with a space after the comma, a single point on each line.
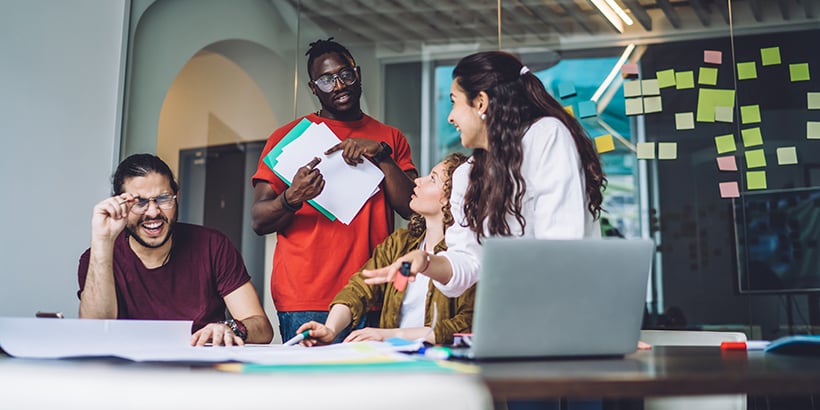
[326, 83]
[164, 201]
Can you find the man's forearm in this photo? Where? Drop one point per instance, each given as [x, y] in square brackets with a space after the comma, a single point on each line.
[398, 187]
[259, 329]
[99, 297]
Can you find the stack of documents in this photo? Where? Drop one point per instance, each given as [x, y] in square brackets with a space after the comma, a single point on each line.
[347, 187]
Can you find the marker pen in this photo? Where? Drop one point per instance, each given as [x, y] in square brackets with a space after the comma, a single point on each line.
[400, 280]
[747, 345]
[298, 338]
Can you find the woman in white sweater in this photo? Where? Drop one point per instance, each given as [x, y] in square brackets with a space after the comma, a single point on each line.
[533, 173]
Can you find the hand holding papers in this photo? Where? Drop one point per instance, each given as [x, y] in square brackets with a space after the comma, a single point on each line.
[346, 188]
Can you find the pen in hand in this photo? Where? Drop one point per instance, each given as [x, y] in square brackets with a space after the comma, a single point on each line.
[298, 338]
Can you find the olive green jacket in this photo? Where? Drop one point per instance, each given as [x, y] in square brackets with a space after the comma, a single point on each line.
[455, 315]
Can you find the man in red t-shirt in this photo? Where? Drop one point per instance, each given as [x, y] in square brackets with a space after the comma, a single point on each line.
[315, 257]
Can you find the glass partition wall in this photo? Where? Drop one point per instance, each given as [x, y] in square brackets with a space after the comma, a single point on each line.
[705, 113]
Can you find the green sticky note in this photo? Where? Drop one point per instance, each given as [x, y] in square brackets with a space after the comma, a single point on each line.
[724, 114]
[746, 71]
[646, 150]
[685, 80]
[749, 114]
[709, 98]
[812, 130]
[684, 121]
[725, 143]
[770, 56]
[756, 180]
[755, 158]
[652, 104]
[666, 78]
[632, 88]
[650, 87]
[787, 156]
[814, 100]
[634, 106]
[799, 72]
[667, 150]
[751, 137]
[707, 76]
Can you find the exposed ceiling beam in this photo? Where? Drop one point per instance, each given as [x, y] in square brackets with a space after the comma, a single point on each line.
[757, 11]
[702, 11]
[573, 11]
[784, 9]
[670, 13]
[723, 9]
[808, 5]
[640, 14]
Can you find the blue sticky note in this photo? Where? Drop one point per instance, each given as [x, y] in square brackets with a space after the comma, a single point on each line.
[587, 109]
[566, 89]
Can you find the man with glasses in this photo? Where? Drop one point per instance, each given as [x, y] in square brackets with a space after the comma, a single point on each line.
[143, 264]
[315, 257]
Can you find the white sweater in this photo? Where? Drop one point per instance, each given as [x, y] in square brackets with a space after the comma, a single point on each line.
[554, 205]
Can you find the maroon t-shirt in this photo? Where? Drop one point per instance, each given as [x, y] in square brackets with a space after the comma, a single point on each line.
[203, 267]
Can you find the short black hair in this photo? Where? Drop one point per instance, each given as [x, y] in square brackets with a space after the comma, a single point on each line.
[319, 47]
[140, 165]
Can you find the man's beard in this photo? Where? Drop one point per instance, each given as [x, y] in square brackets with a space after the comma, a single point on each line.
[169, 235]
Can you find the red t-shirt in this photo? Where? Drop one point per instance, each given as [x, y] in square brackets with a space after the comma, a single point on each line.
[203, 267]
[315, 257]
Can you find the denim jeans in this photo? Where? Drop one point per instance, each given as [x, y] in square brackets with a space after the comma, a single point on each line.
[289, 323]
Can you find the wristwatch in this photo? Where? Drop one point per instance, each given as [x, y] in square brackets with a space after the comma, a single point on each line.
[237, 327]
[382, 155]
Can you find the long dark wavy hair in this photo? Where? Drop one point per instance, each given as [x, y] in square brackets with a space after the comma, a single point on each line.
[516, 100]
[417, 225]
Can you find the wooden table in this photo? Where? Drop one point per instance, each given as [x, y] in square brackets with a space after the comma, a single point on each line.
[661, 371]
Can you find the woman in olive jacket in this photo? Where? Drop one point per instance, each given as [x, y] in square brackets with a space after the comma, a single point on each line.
[420, 311]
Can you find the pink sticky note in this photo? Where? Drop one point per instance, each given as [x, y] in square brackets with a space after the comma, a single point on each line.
[712, 57]
[630, 69]
[729, 190]
[727, 163]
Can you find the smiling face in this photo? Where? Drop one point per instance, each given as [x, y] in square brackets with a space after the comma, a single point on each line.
[343, 101]
[428, 195]
[153, 228]
[466, 117]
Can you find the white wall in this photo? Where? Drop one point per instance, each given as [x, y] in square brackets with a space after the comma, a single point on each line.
[60, 70]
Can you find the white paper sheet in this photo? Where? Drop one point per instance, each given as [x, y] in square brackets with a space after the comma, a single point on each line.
[347, 187]
[164, 341]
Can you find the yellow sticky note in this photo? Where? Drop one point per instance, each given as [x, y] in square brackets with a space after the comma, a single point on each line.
[646, 150]
[568, 108]
[684, 121]
[709, 98]
[751, 137]
[724, 114]
[707, 76]
[604, 143]
[770, 56]
[814, 100]
[799, 72]
[632, 88]
[685, 80]
[755, 180]
[666, 78]
[755, 158]
[729, 189]
[725, 143]
[813, 130]
[650, 87]
[746, 70]
[652, 104]
[749, 114]
[787, 156]
[667, 150]
[634, 106]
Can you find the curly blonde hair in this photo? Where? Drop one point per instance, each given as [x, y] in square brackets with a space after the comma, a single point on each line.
[417, 226]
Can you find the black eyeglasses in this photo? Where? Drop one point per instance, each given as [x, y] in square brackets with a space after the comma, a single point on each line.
[164, 201]
[327, 82]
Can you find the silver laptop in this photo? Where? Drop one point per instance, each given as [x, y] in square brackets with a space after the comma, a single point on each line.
[559, 298]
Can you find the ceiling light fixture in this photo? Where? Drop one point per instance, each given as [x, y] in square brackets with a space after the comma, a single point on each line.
[620, 12]
[610, 15]
[615, 70]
